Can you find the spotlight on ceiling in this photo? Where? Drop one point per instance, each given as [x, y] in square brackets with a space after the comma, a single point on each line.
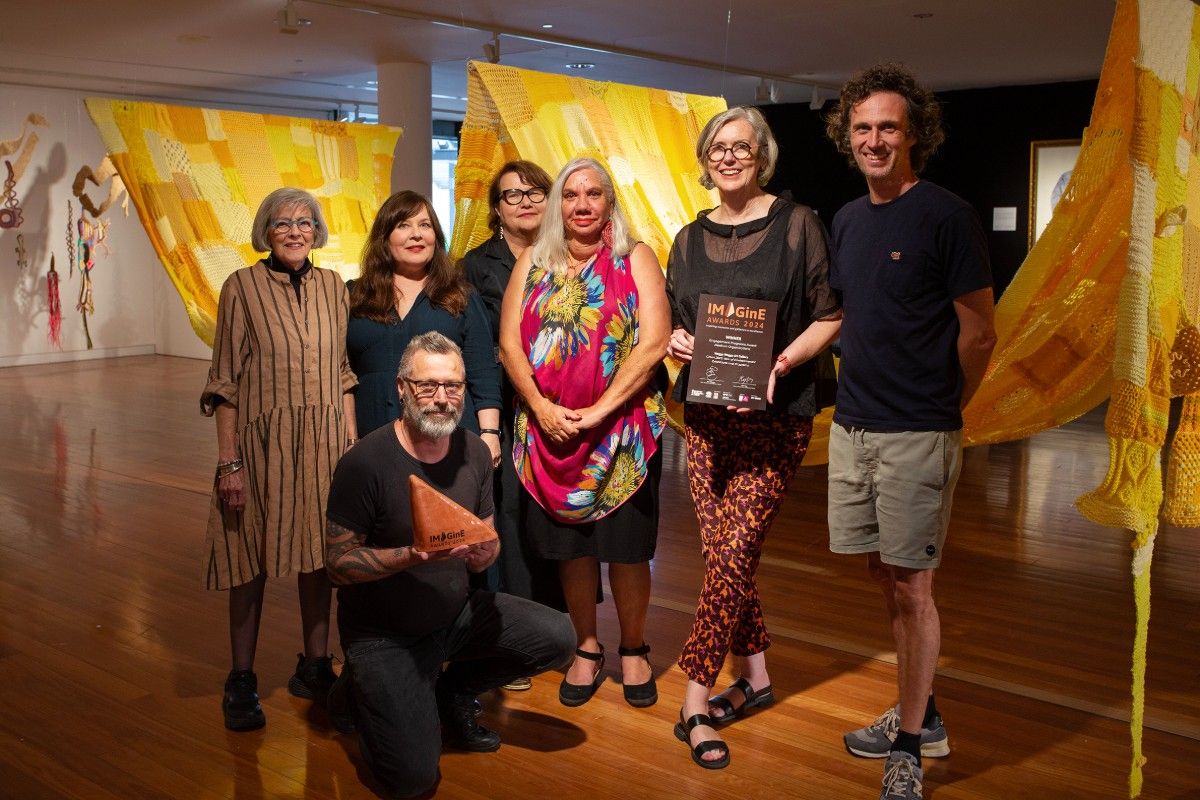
[765, 92]
[289, 20]
[816, 102]
[491, 50]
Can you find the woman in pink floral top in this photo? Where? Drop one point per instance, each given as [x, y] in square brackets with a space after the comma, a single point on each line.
[583, 330]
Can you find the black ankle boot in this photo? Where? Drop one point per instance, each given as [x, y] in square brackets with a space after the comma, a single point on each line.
[460, 728]
[240, 704]
[313, 678]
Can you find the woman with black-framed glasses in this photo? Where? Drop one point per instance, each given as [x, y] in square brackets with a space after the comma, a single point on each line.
[409, 286]
[756, 246]
[516, 202]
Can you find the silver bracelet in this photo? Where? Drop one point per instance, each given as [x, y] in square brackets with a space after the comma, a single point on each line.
[227, 468]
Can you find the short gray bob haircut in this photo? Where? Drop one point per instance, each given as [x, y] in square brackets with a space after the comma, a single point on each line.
[768, 150]
[273, 204]
[428, 342]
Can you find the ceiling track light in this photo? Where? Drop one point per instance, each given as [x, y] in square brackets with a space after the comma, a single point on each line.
[491, 50]
[289, 20]
[816, 102]
[765, 92]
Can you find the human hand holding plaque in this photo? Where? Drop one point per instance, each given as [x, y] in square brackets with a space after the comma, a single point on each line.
[732, 358]
[439, 523]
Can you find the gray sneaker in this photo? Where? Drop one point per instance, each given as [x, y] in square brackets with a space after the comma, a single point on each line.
[875, 740]
[902, 778]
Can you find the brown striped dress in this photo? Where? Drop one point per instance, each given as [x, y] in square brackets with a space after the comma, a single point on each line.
[282, 362]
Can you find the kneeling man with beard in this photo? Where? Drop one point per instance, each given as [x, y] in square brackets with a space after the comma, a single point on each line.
[403, 613]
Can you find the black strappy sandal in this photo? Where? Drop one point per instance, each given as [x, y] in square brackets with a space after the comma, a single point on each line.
[574, 694]
[640, 695]
[760, 699]
[682, 729]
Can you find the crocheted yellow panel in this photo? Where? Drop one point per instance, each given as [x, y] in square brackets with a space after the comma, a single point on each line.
[1105, 306]
[197, 175]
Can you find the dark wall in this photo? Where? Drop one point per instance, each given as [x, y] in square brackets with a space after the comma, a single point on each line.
[985, 158]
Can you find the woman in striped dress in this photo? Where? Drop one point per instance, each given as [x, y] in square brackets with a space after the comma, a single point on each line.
[279, 387]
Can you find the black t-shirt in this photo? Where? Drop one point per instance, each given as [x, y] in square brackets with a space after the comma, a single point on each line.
[783, 257]
[899, 266]
[369, 495]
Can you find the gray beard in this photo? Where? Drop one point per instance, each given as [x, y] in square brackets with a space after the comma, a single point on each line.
[428, 426]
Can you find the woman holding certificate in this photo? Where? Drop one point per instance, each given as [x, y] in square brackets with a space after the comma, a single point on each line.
[758, 247]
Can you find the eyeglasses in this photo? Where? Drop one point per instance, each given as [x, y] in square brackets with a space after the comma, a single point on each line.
[303, 224]
[427, 389]
[741, 151]
[514, 197]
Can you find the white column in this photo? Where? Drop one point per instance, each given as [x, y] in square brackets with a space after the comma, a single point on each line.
[405, 100]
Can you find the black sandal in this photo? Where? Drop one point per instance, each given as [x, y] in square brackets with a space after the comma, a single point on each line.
[760, 699]
[640, 695]
[574, 694]
[683, 729]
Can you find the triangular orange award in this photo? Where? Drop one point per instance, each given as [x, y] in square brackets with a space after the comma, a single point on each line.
[439, 523]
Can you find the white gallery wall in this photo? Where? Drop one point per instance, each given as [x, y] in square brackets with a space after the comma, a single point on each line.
[138, 310]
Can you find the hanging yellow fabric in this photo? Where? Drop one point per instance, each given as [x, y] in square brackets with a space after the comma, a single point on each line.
[1106, 304]
[197, 175]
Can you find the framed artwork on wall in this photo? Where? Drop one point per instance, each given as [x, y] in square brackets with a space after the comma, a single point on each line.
[1051, 162]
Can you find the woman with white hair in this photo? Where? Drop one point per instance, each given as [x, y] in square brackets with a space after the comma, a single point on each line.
[583, 330]
[279, 387]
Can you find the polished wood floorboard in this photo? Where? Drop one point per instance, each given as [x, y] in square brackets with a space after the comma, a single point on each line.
[112, 655]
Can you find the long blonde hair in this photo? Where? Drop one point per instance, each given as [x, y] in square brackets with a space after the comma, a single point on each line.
[550, 249]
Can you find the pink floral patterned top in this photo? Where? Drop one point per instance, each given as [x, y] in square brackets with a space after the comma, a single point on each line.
[577, 332]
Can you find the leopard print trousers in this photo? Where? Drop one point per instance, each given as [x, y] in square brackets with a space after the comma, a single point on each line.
[739, 466]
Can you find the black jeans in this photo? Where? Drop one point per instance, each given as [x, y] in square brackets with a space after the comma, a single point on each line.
[496, 638]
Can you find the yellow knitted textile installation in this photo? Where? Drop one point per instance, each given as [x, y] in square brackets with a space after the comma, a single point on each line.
[197, 176]
[645, 137]
[1106, 304]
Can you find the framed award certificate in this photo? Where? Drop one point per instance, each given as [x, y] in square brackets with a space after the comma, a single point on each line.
[733, 353]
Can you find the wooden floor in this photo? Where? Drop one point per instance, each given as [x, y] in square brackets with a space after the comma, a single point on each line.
[112, 656]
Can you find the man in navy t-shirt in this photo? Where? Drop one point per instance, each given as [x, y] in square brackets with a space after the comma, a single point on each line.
[911, 263]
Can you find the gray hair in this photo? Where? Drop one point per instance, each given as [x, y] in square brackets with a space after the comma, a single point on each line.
[428, 342]
[550, 248]
[276, 201]
[768, 150]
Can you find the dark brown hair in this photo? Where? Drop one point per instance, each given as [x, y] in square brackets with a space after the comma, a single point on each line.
[372, 295]
[529, 172]
[924, 111]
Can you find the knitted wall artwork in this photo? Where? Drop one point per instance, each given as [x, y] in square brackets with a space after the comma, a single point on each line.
[196, 177]
[1106, 305]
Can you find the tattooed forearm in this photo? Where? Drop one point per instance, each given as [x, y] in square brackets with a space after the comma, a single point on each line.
[348, 560]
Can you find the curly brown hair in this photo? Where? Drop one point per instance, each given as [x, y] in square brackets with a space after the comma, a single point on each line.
[527, 171]
[373, 296]
[924, 111]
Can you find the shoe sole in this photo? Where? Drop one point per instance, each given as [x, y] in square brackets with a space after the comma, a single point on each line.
[243, 725]
[928, 750]
[471, 749]
[298, 688]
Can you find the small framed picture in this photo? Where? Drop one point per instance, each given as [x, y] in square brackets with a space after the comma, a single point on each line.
[1051, 163]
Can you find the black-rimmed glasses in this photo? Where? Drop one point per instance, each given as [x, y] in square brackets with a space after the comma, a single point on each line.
[741, 151]
[514, 197]
[427, 389]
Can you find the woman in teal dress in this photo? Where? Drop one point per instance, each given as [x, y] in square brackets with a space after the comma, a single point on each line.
[410, 286]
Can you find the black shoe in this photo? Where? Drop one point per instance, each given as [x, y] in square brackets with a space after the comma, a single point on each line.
[459, 726]
[575, 694]
[313, 679]
[640, 695]
[240, 704]
[340, 705]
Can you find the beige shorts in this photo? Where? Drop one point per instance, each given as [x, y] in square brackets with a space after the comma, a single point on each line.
[891, 493]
